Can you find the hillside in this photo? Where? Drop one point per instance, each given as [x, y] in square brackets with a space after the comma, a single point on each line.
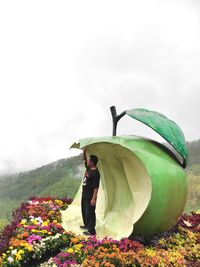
[62, 179]
[194, 152]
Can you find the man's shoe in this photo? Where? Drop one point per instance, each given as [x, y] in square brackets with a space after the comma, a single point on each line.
[83, 227]
[88, 233]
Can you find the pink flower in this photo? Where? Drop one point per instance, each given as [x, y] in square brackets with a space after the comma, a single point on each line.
[10, 259]
[33, 238]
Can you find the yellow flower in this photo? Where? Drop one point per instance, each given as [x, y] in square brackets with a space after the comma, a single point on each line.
[18, 257]
[45, 223]
[58, 202]
[150, 252]
[50, 212]
[70, 250]
[23, 221]
[78, 246]
[34, 221]
[29, 247]
[20, 251]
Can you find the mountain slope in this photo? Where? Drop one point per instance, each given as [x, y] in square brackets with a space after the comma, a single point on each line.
[61, 178]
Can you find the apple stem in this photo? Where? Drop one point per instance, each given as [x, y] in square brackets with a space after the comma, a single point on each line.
[115, 118]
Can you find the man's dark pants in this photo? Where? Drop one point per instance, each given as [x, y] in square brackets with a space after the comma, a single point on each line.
[88, 213]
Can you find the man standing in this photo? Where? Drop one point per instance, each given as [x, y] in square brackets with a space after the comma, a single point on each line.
[89, 194]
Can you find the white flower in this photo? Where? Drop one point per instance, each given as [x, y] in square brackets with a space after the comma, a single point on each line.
[57, 235]
[39, 220]
[14, 252]
[10, 259]
[187, 223]
[50, 260]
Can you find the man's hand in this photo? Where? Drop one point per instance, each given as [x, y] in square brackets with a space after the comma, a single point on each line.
[93, 202]
[84, 155]
[94, 197]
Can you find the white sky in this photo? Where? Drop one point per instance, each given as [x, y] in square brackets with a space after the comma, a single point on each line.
[64, 63]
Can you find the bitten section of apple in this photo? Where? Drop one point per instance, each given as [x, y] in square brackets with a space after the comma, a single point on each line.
[142, 190]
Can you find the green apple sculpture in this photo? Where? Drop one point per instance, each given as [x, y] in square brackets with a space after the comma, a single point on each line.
[143, 185]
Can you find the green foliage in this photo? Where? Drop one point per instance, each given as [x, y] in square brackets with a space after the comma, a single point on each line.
[193, 152]
[3, 223]
[193, 173]
[61, 178]
[59, 189]
[193, 198]
[6, 207]
[194, 169]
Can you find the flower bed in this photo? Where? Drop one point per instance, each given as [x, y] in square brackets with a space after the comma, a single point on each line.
[34, 231]
[36, 234]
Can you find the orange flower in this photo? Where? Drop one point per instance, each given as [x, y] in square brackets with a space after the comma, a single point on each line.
[23, 235]
[74, 240]
[16, 242]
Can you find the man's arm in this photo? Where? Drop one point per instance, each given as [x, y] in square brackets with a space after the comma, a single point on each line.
[96, 188]
[94, 197]
[85, 158]
[84, 155]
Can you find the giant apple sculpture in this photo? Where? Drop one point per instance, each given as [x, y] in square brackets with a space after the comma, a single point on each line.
[143, 184]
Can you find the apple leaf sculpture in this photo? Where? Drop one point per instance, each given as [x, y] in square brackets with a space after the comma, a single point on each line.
[143, 184]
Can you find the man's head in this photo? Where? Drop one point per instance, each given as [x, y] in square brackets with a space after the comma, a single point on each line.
[93, 159]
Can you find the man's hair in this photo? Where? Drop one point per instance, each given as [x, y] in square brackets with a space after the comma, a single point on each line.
[94, 159]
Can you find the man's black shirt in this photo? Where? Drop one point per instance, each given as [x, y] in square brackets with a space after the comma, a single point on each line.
[90, 181]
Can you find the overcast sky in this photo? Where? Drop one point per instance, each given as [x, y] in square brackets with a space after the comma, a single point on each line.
[64, 63]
